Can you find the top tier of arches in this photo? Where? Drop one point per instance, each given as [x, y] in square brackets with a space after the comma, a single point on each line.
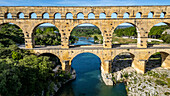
[86, 12]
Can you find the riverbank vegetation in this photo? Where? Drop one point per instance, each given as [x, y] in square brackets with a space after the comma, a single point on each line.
[22, 73]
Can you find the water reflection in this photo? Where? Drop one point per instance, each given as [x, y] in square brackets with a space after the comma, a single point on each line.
[85, 41]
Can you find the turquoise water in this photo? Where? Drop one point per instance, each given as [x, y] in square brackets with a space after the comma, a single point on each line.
[88, 81]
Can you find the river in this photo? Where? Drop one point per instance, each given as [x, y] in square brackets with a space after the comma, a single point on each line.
[88, 81]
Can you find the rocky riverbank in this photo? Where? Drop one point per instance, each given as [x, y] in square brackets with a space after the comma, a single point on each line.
[153, 83]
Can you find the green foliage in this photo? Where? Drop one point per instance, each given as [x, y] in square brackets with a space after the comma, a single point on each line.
[73, 39]
[85, 31]
[160, 82]
[157, 30]
[130, 31]
[10, 34]
[47, 36]
[166, 38]
[16, 55]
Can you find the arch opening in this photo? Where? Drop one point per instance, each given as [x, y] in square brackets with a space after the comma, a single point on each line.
[57, 16]
[155, 61]
[11, 34]
[159, 33]
[122, 61]
[85, 62]
[85, 34]
[8, 16]
[114, 15]
[125, 33]
[162, 15]
[102, 16]
[45, 16]
[126, 15]
[138, 15]
[150, 15]
[33, 15]
[91, 16]
[20, 15]
[46, 34]
[69, 16]
[80, 16]
[56, 64]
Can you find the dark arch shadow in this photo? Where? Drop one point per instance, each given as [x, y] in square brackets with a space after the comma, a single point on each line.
[122, 61]
[155, 60]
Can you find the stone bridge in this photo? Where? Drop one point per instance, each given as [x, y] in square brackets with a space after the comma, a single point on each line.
[141, 52]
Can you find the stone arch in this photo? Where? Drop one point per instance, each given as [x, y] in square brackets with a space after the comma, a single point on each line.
[80, 15]
[102, 15]
[160, 57]
[55, 33]
[86, 22]
[57, 16]
[45, 15]
[126, 15]
[39, 23]
[8, 15]
[132, 23]
[91, 23]
[49, 54]
[153, 52]
[91, 14]
[69, 15]
[156, 22]
[122, 60]
[114, 15]
[119, 52]
[32, 15]
[138, 15]
[20, 15]
[163, 15]
[77, 53]
[150, 14]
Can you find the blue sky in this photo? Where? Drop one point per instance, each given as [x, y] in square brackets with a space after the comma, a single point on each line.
[82, 2]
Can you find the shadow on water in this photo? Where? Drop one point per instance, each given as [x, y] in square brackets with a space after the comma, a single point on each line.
[89, 81]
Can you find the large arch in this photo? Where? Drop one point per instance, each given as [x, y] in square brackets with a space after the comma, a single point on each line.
[122, 60]
[155, 60]
[84, 25]
[56, 61]
[85, 55]
[48, 30]
[121, 36]
[157, 34]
